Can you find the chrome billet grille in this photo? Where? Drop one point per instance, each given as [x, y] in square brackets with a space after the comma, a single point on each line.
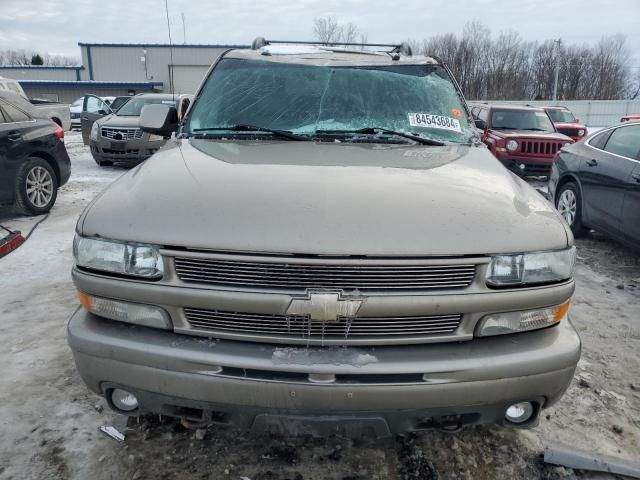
[300, 276]
[278, 328]
[121, 133]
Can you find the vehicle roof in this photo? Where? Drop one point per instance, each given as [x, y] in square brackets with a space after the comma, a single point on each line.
[500, 106]
[321, 55]
[554, 107]
[163, 96]
[20, 102]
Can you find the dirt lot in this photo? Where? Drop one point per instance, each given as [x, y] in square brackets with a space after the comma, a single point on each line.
[49, 420]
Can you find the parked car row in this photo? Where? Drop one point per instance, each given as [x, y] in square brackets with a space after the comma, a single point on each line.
[594, 183]
[444, 279]
[523, 138]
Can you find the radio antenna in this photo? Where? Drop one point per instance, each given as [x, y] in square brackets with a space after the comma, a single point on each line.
[173, 95]
[184, 31]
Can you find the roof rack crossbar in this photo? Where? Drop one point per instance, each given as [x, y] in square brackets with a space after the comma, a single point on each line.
[402, 48]
[331, 44]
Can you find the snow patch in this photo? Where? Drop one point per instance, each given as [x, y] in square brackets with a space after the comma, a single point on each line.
[325, 356]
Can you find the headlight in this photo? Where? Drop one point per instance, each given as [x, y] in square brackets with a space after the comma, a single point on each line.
[94, 131]
[581, 132]
[512, 145]
[116, 257]
[530, 268]
[514, 322]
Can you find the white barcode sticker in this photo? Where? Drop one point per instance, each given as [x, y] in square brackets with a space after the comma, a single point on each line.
[428, 120]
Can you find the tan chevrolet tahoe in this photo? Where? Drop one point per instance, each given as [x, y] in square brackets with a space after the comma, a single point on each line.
[324, 245]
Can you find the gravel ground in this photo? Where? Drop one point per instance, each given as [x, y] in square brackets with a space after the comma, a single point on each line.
[49, 421]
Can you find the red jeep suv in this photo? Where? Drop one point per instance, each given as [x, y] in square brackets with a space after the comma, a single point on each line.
[566, 123]
[524, 139]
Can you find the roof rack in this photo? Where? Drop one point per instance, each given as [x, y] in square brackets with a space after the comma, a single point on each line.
[400, 49]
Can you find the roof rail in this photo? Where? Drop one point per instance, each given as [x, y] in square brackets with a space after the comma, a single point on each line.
[403, 48]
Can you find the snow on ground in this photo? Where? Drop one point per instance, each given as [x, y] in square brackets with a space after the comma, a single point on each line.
[49, 420]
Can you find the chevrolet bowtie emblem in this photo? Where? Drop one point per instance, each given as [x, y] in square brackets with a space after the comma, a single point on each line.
[324, 306]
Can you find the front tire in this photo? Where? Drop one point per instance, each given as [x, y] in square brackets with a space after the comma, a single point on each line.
[569, 204]
[36, 187]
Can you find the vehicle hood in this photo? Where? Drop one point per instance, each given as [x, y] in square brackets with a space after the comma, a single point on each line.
[116, 121]
[532, 135]
[326, 198]
[76, 109]
[569, 125]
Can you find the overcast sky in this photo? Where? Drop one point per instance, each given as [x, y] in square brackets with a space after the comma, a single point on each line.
[56, 26]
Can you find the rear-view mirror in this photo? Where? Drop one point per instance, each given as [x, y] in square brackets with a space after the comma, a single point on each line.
[159, 119]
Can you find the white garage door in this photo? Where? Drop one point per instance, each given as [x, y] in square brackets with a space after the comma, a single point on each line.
[187, 78]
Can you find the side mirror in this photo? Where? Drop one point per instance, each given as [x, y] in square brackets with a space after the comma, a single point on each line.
[159, 119]
[102, 112]
[480, 124]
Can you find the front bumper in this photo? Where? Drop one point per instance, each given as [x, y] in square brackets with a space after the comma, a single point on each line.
[127, 151]
[527, 166]
[63, 161]
[264, 388]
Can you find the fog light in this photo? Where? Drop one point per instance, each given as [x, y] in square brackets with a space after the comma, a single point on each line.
[527, 320]
[123, 400]
[138, 314]
[519, 412]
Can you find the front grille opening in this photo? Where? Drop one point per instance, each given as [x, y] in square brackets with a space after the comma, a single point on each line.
[264, 374]
[344, 379]
[448, 422]
[302, 276]
[279, 328]
[540, 148]
[195, 414]
[121, 133]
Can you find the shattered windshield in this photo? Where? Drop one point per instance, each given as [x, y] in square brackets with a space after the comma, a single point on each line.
[521, 120]
[328, 100]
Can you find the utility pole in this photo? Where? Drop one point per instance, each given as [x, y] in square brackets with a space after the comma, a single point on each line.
[184, 31]
[558, 42]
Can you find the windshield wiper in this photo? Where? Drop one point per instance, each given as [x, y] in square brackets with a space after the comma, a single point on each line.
[242, 127]
[374, 130]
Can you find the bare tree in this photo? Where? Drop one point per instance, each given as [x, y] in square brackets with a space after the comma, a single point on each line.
[329, 30]
[23, 57]
[506, 67]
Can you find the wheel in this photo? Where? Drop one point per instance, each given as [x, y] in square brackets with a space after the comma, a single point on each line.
[569, 204]
[36, 187]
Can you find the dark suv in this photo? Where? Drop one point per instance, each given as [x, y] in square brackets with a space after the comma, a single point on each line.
[33, 158]
[524, 139]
